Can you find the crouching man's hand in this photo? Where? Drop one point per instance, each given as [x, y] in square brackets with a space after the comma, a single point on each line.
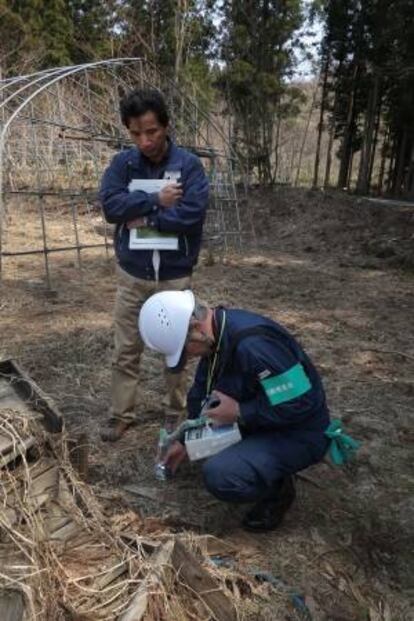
[227, 411]
[176, 454]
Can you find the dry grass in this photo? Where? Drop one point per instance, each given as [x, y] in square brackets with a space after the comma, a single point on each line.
[54, 577]
[94, 572]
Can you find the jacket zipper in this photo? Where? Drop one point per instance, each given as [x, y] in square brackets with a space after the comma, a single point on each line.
[187, 250]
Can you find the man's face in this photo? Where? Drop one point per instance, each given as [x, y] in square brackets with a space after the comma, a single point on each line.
[197, 349]
[148, 135]
[198, 344]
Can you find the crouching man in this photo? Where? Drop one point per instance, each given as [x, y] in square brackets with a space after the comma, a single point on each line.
[263, 380]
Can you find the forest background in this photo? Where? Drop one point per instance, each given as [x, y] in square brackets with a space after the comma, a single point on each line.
[349, 123]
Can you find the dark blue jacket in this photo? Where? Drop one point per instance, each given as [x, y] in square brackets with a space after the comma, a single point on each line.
[186, 218]
[261, 373]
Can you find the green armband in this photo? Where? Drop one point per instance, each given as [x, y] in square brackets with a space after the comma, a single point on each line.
[289, 385]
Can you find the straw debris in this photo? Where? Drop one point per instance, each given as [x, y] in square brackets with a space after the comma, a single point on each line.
[71, 561]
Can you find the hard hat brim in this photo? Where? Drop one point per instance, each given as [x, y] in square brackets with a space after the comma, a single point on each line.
[171, 360]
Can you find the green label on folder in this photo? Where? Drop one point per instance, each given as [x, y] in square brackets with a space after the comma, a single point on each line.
[145, 233]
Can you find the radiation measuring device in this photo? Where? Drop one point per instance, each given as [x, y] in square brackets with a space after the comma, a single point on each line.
[200, 438]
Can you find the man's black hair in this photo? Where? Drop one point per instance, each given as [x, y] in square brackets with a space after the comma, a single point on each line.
[138, 102]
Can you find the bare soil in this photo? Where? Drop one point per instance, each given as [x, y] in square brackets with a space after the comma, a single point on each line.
[338, 272]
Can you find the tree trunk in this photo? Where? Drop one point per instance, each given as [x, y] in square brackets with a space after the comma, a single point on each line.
[305, 135]
[267, 146]
[277, 142]
[410, 174]
[375, 143]
[321, 116]
[328, 165]
[180, 27]
[350, 168]
[346, 153]
[400, 165]
[291, 163]
[389, 182]
[363, 182]
[384, 150]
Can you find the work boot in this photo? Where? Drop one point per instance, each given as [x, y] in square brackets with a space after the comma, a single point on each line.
[115, 429]
[269, 512]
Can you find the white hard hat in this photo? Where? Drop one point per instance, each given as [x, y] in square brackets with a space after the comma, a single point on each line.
[163, 323]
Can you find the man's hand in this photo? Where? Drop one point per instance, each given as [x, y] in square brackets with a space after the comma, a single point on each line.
[135, 224]
[176, 454]
[226, 413]
[168, 196]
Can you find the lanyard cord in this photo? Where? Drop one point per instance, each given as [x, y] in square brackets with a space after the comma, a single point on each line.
[213, 363]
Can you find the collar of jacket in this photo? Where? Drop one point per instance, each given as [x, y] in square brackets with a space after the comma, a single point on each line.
[219, 329]
[216, 324]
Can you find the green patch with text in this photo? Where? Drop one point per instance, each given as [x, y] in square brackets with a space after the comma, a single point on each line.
[286, 386]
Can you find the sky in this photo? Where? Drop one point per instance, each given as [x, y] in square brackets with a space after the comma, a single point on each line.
[307, 68]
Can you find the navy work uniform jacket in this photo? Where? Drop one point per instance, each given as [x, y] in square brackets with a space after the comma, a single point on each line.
[186, 218]
[283, 410]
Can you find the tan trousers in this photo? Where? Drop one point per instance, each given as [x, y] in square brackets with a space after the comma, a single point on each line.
[131, 294]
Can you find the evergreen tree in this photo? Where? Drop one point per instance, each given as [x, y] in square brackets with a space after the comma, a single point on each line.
[47, 33]
[28, 52]
[257, 52]
[93, 23]
[56, 33]
[371, 88]
[12, 38]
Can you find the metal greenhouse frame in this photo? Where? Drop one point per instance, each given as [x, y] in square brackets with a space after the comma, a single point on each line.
[59, 130]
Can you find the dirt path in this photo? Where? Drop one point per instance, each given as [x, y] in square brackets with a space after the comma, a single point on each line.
[337, 272]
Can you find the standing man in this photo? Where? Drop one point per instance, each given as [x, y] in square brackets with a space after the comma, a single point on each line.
[171, 211]
[263, 380]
